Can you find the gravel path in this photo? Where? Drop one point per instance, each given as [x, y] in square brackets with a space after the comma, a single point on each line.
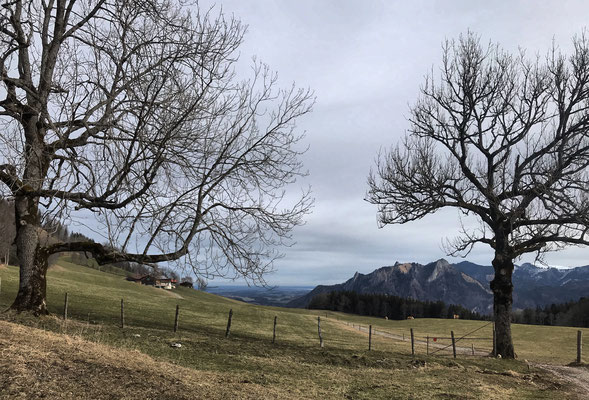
[577, 376]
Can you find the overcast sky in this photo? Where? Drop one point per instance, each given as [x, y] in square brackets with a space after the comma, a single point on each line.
[365, 60]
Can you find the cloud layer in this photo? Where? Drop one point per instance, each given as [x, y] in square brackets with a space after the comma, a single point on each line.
[366, 62]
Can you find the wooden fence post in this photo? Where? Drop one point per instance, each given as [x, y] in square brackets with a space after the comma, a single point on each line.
[412, 343]
[229, 323]
[494, 341]
[319, 331]
[453, 343]
[427, 345]
[472, 344]
[370, 338]
[579, 345]
[65, 303]
[0, 285]
[274, 331]
[176, 318]
[122, 314]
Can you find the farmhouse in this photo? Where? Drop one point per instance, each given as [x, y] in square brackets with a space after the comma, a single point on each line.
[158, 282]
[166, 283]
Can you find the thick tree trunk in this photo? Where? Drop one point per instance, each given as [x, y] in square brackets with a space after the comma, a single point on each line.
[33, 259]
[29, 246]
[502, 288]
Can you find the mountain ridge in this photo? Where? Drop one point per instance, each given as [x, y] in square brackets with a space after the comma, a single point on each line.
[463, 283]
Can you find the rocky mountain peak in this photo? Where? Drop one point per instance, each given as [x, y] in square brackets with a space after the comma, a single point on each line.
[403, 268]
[442, 266]
[464, 283]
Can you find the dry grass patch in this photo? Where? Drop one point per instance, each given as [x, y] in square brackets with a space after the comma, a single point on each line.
[91, 357]
[36, 364]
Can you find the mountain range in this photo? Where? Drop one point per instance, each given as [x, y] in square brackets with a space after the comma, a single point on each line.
[464, 283]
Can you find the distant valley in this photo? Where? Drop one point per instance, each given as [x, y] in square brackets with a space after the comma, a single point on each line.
[266, 296]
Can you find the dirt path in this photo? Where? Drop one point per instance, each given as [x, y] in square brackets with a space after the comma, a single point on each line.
[577, 376]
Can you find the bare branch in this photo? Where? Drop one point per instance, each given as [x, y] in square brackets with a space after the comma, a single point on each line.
[131, 110]
[500, 137]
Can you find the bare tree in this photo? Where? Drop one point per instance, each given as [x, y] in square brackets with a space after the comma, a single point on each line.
[130, 111]
[201, 283]
[502, 138]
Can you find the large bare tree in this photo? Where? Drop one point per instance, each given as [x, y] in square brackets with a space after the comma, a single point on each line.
[502, 138]
[129, 113]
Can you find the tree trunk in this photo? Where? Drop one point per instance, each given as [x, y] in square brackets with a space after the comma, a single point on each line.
[502, 299]
[30, 248]
[33, 259]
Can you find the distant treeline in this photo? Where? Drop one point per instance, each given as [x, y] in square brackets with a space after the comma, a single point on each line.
[573, 313]
[392, 307]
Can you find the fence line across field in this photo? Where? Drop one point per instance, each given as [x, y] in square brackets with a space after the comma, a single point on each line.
[371, 330]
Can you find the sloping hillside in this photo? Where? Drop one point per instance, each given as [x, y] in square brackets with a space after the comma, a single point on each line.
[90, 356]
[37, 364]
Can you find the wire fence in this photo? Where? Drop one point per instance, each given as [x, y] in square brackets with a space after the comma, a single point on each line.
[435, 343]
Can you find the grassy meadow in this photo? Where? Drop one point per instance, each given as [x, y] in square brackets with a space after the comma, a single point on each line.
[295, 366]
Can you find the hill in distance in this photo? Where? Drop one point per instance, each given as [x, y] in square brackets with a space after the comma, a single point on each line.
[464, 283]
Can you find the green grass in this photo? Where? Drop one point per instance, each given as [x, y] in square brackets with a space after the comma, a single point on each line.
[545, 344]
[344, 368]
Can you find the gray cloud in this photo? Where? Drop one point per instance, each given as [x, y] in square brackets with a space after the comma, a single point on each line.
[366, 61]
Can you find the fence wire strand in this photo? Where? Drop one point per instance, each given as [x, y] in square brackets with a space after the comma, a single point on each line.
[462, 337]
